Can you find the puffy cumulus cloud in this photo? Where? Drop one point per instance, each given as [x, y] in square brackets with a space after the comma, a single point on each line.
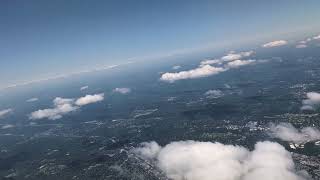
[234, 56]
[211, 67]
[176, 67]
[62, 106]
[192, 160]
[88, 99]
[312, 101]
[122, 90]
[84, 88]
[202, 71]
[275, 43]
[238, 63]
[5, 112]
[287, 132]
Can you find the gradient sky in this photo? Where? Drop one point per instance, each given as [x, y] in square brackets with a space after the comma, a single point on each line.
[44, 38]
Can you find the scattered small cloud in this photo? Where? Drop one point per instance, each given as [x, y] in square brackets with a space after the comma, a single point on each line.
[32, 99]
[316, 37]
[213, 94]
[7, 126]
[287, 132]
[84, 88]
[193, 160]
[312, 101]
[210, 61]
[299, 46]
[176, 67]
[199, 72]
[5, 112]
[238, 63]
[62, 106]
[234, 56]
[89, 99]
[122, 90]
[275, 43]
[210, 67]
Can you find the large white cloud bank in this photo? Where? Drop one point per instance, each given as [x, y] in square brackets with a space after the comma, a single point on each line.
[62, 106]
[211, 67]
[192, 160]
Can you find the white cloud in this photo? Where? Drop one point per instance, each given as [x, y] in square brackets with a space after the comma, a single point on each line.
[122, 90]
[312, 101]
[234, 56]
[316, 37]
[238, 63]
[88, 99]
[287, 132]
[7, 126]
[206, 68]
[62, 106]
[84, 88]
[213, 93]
[193, 160]
[275, 43]
[32, 99]
[5, 112]
[210, 61]
[299, 46]
[199, 72]
[176, 67]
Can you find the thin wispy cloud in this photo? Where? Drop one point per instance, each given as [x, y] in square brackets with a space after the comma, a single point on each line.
[63, 106]
[287, 132]
[122, 90]
[299, 46]
[176, 67]
[32, 99]
[5, 112]
[7, 126]
[193, 160]
[304, 43]
[275, 44]
[61, 76]
[84, 88]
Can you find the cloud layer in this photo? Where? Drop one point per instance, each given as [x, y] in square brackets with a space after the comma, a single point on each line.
[4, 112]
[312, 101]
[62, 106]
[206, 68]
[287, 132]
[275, 44]
[192, 160]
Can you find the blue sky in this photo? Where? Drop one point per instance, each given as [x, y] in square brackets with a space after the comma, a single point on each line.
[45, 38]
